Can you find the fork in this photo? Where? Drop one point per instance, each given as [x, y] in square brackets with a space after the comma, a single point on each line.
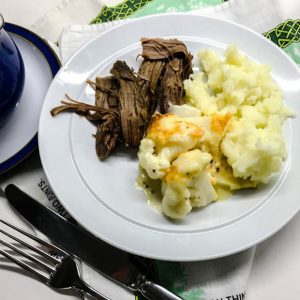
[62, 271]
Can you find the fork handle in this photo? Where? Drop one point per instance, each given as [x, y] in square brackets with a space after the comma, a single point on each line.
[153, 291]
[87, 289]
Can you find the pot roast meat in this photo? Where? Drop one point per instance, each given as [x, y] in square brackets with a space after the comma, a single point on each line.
[177, 67]
[150, 74]
[159, 48]
[166, 49]
[107, 90]
[91, 112]
[106, 119]
[133, 104]
[171, 87]
[125, 101]
[108, 128]
[107, 135]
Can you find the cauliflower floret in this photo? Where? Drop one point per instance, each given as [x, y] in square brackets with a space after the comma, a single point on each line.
[167, 137]
[188, 184]
[155, 165]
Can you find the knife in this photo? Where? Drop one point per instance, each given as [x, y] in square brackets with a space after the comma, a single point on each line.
[110, 261]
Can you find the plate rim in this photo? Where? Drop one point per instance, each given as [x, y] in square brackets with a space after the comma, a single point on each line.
[54, 64]
[164, 257]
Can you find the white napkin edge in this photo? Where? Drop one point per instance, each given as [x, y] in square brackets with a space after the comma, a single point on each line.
[73, 37]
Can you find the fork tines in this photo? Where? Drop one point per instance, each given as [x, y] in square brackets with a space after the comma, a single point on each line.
[59, 272]
[48, 266]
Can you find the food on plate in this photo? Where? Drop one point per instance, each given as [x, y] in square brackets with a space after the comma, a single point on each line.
[227, 136]
[126, 100]
[181, 151]
[201, 135]
[166, 64]
[254, 144]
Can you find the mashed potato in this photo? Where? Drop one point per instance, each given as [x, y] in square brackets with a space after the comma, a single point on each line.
[227, 136]
[253, 144]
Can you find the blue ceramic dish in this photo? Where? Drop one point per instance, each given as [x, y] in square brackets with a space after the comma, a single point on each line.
[38, 50]
[12, 74]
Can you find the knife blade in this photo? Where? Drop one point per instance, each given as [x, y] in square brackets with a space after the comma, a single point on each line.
[108, 260]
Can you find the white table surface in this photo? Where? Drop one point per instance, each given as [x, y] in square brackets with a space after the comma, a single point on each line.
[276, 268]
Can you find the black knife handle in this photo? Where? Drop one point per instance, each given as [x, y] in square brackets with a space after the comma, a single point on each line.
[151, 290]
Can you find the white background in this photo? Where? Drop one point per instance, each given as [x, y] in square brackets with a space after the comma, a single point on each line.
[276, 268]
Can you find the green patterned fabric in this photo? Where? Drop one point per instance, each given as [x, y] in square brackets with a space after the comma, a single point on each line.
[140, 8]
[285, 33]
[164, 6]
[121, 11]
[287, 36]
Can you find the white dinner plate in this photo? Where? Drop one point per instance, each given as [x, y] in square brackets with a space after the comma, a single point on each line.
[18, 136]
[102, 196]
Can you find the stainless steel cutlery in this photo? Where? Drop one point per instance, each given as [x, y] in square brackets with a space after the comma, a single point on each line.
[119, 266]
[59, 271]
